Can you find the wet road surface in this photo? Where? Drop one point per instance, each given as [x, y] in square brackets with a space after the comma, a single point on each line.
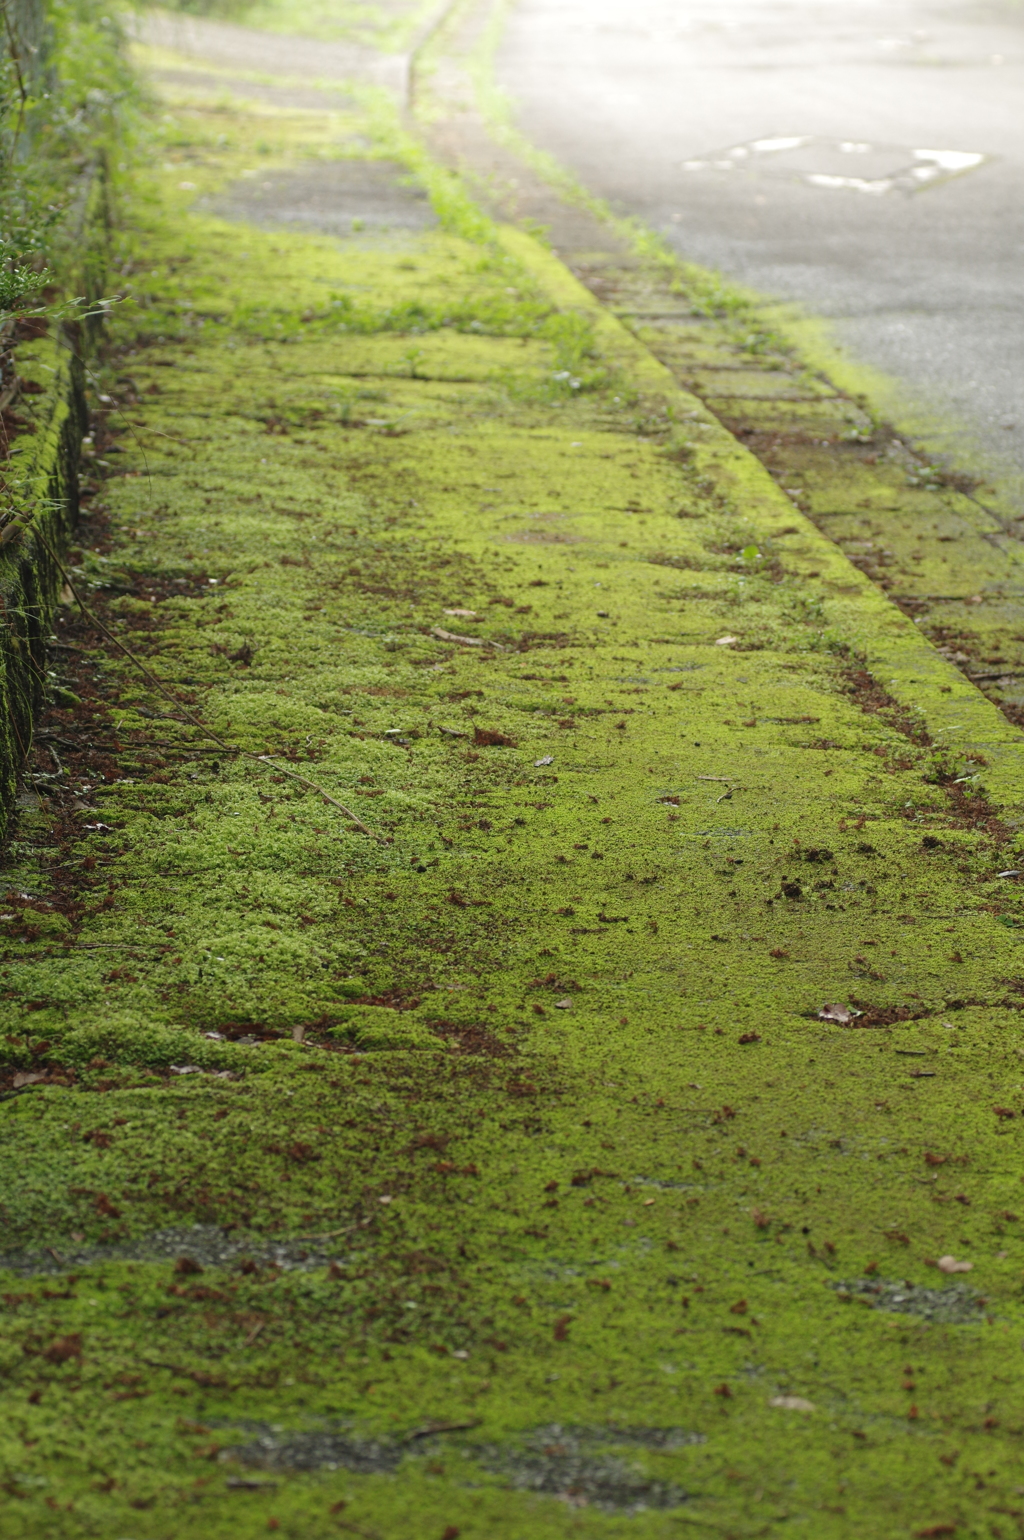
[863, 160]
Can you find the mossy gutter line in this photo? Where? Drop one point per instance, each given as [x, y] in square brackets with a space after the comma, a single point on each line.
[887, 642]
[933, 432]
[419, 43]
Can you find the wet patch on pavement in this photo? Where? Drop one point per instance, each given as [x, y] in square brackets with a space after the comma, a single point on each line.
[583, 1466]
[203, 1245]
[340, 197]
[591, 1467]
[326, 1449]
[952, 1306]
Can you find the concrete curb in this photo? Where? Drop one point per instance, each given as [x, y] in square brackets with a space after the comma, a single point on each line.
[954, 712]
[431, 26]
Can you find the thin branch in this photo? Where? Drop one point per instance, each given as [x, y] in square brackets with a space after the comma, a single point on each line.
[12, 44]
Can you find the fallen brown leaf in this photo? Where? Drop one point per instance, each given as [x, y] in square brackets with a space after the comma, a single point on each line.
[63, 1348]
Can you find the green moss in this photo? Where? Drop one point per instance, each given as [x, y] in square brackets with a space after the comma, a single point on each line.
[635, 821]
[371, 1028]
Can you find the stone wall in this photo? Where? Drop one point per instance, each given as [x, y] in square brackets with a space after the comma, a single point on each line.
[44, 418]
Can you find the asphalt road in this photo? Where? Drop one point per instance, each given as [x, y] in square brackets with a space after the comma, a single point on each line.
[864, 158]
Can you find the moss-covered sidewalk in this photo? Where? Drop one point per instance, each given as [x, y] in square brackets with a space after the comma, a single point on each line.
[521, 1040]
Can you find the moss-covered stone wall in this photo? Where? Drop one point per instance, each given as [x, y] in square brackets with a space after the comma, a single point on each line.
[46, 423]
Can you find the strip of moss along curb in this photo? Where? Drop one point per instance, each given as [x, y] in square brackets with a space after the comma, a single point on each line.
[576, 1157]
[936, 539]
[949, 708]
